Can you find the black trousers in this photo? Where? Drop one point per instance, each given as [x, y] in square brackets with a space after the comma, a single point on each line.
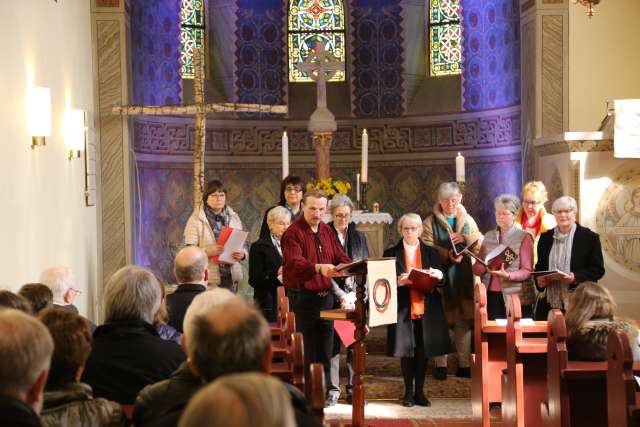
[317, 332]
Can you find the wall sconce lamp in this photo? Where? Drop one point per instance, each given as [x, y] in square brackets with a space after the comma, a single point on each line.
[39, 115]
[75, 130]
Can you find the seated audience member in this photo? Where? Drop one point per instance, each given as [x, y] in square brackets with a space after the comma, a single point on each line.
[9, 299]
[162, 403]
[25, 352]
[64, 288]
[219, 339]
[127, 352]
[265, 263]
[570, 248]
[241, 400]
[164, 330]
[39, 295]
[590, 317]
[192, 276]
[68, 402]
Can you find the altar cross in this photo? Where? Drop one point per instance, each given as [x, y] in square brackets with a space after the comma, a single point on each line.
[321, 66]
[199, 109]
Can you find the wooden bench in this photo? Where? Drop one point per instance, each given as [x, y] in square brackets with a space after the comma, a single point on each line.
[524, 379]
[317, 390]
[489, 358]
[291, 369]
[282, 309]
[623, 401]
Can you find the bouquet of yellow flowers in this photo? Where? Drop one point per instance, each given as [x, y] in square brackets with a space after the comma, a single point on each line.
[330, 187]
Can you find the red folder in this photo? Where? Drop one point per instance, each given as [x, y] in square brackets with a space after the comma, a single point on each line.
[346, 331]
[422, 280]
[505, 256]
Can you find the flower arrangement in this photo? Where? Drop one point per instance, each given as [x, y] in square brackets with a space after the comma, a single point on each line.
[330, 186]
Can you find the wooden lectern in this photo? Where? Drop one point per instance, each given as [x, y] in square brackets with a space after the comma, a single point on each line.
[358, 316]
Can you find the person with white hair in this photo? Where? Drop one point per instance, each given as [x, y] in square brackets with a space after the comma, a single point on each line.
[571, 249]
[265, 263]
[25, 350]
[449, 225]
[161, 404]
[421, 331]
[64, 288]
[127, 352]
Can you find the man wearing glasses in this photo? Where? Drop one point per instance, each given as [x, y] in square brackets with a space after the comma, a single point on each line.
[63, 287]
[310, 252]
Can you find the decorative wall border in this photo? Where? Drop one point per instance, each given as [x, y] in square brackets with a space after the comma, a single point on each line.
[588, 146]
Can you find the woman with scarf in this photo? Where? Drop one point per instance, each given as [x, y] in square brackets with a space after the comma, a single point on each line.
[571, 249]
[508, 279]
[421, 331]
[533, 218]
[203, 229]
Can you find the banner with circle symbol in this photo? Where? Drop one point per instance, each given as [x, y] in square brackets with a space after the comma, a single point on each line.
[383, 292]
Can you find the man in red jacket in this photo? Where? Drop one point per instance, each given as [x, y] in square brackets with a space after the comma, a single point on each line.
[310, 253]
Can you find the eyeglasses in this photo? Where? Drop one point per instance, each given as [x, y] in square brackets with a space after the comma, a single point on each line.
[76, 291]
[342, 216]
[410, 228]
[218, 195]
[282, 223]
[530, 202]
[292, 189]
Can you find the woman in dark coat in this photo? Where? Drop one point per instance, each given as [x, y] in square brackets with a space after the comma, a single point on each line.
[291, 190]
[265, 263]
[421, 331]
[570, 248]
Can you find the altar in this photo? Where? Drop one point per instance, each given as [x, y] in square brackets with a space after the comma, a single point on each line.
[372, 225]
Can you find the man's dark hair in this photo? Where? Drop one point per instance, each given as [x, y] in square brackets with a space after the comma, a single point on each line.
[39, 295]
[71, 345]
[9, 299]
[232, 338]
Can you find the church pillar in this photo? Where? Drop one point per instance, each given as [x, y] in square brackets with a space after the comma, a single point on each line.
[322, 145]
[544, 29]
[110, 34]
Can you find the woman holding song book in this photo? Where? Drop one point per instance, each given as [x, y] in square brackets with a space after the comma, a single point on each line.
[506, 260]
[203, 229]
[421, 331]
[568, 255]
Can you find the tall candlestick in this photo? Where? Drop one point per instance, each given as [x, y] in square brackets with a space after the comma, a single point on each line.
[285, 155]
[364, 167]
[358, 188]
[459, 168]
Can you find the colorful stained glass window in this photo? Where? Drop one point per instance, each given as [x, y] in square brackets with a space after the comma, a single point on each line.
[445, 42]
[311, 22]
[191, 34]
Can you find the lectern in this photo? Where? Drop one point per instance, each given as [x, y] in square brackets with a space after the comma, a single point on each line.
[359, 270]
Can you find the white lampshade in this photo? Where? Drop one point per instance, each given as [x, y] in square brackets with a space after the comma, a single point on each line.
[39, 111]
[74, 129]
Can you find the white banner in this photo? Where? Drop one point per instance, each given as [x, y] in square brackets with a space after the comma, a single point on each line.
[383, 292]
[626, 137]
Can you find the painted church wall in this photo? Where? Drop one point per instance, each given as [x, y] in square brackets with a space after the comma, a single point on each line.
[603, 60]
[44, 220]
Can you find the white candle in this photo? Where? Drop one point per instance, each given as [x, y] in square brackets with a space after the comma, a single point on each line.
[364, 167]
[285, 155]
[459, 168]
[358, 187]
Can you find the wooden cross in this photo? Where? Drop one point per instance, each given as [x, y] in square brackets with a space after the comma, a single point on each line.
[200, 109]
[321, 66]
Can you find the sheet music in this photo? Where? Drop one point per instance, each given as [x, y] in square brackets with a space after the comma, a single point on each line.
[234, 243]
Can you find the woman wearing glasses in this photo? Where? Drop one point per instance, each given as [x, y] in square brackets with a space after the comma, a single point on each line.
[203, 229]
[265, 263]
[354, 244]
[291, 190]
[533, 218]
[421, 331]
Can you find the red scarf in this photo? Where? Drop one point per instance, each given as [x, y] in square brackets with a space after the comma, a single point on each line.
[537, 223]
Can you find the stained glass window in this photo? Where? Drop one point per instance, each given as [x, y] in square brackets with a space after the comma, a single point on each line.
[444, 37]
[191, 34]
[311, 22]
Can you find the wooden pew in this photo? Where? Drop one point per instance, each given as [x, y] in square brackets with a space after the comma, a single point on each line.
[317, 390]
[576, 390]
[489, 358]
[291, 369]
[623, 402]
[281, 343]
[281, 319]
[524, 379]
